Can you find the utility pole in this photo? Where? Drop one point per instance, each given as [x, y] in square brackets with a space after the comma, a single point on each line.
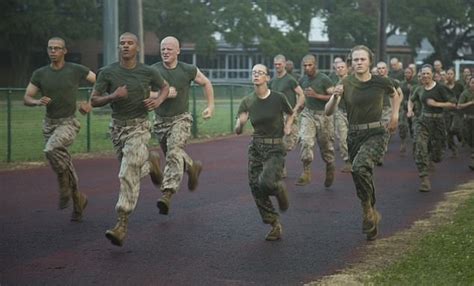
[382, 43]
[134, 24]
[110, 35]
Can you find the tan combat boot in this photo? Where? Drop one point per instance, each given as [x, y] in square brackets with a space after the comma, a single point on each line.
[118, 233]
[368, 218]
[305, 177]
[282, 198]
[403, 147]
[372, 235]
[347, 167]
[163, 204]
[80, 203]
[193, 175]
[64, 192]
[425, 185]
[275, 232]
[155, 171]
[330, 172]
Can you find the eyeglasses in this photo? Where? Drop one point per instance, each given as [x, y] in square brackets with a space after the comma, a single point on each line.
[53, 49]
[259, 73]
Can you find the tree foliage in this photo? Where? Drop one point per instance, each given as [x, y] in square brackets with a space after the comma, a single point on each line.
[448, 25]
[27, 25]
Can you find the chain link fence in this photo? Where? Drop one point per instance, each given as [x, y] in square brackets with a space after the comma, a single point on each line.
[21, 137]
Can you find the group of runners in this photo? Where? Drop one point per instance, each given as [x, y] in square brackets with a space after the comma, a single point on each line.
[363, 107]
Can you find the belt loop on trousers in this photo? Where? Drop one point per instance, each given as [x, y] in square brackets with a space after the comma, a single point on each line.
[432, 115]
[269, 141]
[128, 122]
[365, 126]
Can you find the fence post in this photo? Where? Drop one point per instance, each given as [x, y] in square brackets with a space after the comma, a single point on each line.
[9, 126]
[195, 117]
[231, 109]
[88, 130]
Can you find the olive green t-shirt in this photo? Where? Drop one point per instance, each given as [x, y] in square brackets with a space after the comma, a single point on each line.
[457, 89]
[415, 97]
[386, 97]
[467, 96]
[266, 115]
[61, 86]
[396, 74]
[364, 100]
[180, 78]
[286, 85]
[407, 87]
[138, 80]
[439, 93]
[319, 83]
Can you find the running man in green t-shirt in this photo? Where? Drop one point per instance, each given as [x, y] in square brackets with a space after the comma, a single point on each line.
[58, 83]
[173, 121]
[286, 84]
[315, 125]
[266, 110]
[431, 129]
[466, 103]
[125, 85]
[363, 95]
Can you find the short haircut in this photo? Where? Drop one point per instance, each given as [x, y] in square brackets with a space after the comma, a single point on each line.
[427, 66]
[279, 57]
[55, 38]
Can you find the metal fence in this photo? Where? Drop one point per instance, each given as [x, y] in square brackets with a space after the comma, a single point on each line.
[21, 137]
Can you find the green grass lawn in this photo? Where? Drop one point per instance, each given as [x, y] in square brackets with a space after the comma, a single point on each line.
[444, 257]
[27, 140]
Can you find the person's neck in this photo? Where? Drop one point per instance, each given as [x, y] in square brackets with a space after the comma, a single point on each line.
[363, 76]
[170, 65]
[128, 63]
[57, 65]
[429, 85]
[262, 91]
[281, 74]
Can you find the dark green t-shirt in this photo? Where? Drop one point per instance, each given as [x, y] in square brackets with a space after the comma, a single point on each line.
[266, 115]
[61, 86]
[439, 93]
[319, 83]
[180, 78]
[364, 100]
[386, 97]
[467, 96]
[286, 85]
[396, 74]
[407, 87]
[457, 89]
[138, 80]
[415, 97]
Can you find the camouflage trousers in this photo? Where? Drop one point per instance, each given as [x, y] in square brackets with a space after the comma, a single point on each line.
[316, 125]
[366, 148]
[265, 169]
[290, 140]
[59, 134]
[403, 122]
[173, 133]
[341, 127]
[468, 134]
[130, 139]
[430, 142]
[386, 116]
[454, 123]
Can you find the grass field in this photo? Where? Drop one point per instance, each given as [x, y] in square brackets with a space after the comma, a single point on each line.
[26, 124]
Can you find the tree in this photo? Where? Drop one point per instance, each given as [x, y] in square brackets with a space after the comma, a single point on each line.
[447, 25]
[27, 25]
[351, 23]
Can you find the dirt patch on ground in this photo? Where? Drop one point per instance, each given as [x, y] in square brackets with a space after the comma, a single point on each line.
[384, 252]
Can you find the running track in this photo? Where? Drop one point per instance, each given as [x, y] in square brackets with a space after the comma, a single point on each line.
[213, 236]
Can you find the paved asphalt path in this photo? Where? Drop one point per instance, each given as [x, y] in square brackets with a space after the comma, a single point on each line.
[213, 236]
